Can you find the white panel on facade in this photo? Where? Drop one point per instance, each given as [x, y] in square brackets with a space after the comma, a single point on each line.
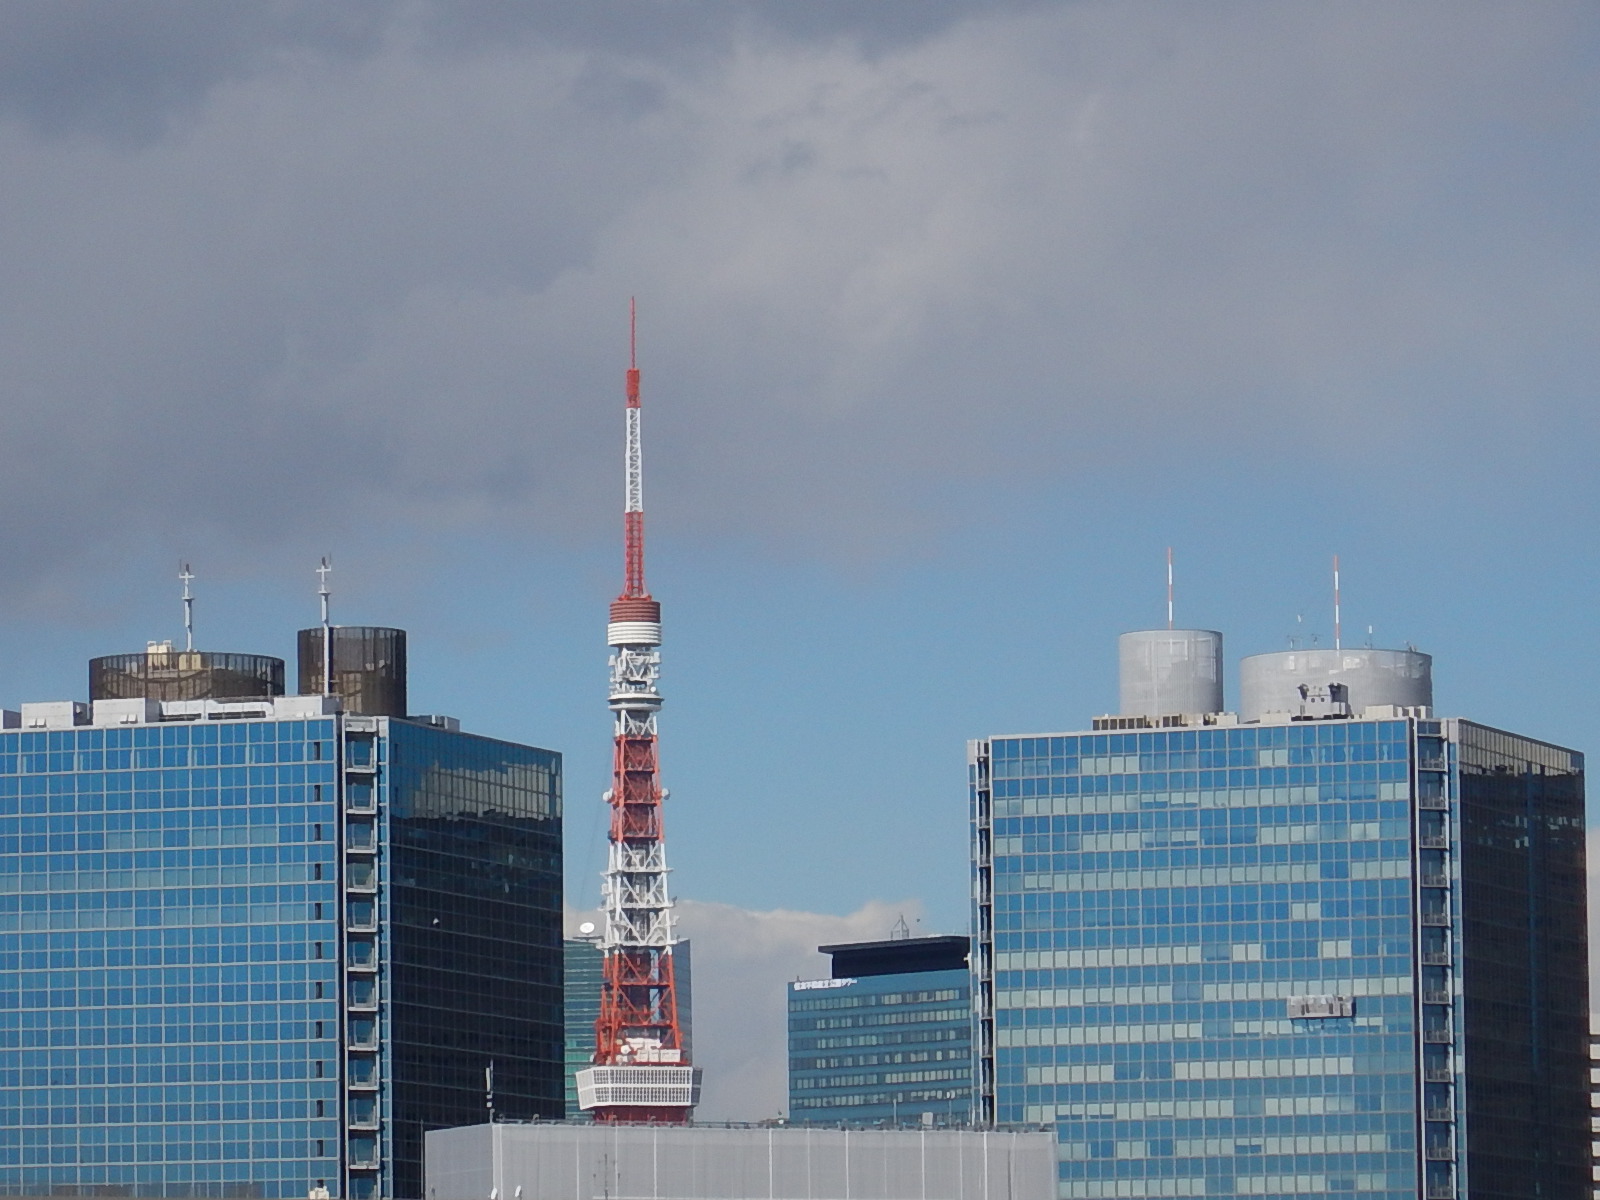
[693, 1162]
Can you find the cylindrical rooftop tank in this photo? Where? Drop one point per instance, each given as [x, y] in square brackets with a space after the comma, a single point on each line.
[369, 668]
[1271, 682]
[162, 673]
[1168, 671]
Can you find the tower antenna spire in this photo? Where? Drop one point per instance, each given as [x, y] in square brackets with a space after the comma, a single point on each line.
[187, 576]
[633, 479]
[641, 1068]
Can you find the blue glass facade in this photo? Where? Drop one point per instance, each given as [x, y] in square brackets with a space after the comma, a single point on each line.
[882, 1049]
[219, 971]
[1232, 961]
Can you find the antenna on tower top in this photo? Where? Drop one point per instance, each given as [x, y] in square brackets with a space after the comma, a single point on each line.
[188, 607]
[1169, 587]
[323, 570]
[633, 485]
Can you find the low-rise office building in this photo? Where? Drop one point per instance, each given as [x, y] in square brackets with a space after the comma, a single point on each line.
[886, 1039]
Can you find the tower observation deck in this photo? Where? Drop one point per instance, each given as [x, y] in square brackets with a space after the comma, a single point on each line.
[641, 1070]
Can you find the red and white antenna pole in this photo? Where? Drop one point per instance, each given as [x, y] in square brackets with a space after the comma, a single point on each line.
[1169, 587]
[633, 499]
[1338, 641]
[641, 1069]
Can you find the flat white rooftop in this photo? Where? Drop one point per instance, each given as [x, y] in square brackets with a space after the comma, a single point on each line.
[113, 714]
[708, 1162]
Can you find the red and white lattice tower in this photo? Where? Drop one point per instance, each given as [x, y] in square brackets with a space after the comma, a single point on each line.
[641, 1070]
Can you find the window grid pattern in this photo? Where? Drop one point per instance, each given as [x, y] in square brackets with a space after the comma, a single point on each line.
[1151, 902]
[882, 1049]
[168, 987]
[224, 972]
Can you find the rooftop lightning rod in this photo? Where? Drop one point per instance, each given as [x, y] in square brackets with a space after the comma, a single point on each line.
[1169, 587]
[327, 630]
[187, 576]
[1337, 640]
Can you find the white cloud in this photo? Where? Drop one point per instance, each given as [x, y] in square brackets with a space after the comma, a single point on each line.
[742, 960]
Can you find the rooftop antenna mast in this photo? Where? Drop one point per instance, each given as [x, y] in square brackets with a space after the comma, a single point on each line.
[1169, 587]
[1338, 641]
[187, 576]
[323, 592]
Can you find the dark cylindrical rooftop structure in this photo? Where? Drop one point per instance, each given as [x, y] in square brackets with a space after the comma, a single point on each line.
[369, 668]
[162, 673]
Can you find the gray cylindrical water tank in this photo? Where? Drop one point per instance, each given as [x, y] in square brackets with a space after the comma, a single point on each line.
[1271, 682]
[1168, 671]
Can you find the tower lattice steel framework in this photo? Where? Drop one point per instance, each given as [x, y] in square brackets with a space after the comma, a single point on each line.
[641, 1069]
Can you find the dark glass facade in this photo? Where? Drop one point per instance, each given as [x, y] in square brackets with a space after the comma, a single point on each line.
[367, 670]
[474, 835]
[167, 674]
[217, 972]
[1280, 960]
[881, 1049]
[583, 975]
[1525, 987]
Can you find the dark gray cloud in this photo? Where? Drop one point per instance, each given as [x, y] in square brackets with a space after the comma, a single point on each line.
[677, 27]
[379, 255]
[123, 68]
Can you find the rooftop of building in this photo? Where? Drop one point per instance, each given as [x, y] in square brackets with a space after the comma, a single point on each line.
[1328, 705]
[116, 714]
[898, 956]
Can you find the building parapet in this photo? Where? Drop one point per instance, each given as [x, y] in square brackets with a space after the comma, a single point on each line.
[113, 714]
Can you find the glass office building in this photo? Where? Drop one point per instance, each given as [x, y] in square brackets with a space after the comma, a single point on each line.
[887, 1038]
[1342, 955]
[255, 948]
[584, 971]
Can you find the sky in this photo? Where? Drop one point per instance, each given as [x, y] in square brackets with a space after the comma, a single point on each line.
[952, 318]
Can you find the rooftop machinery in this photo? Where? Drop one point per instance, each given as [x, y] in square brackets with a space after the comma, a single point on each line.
[641, 1070]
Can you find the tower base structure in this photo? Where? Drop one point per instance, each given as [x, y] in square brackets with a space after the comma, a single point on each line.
[649, 1093]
